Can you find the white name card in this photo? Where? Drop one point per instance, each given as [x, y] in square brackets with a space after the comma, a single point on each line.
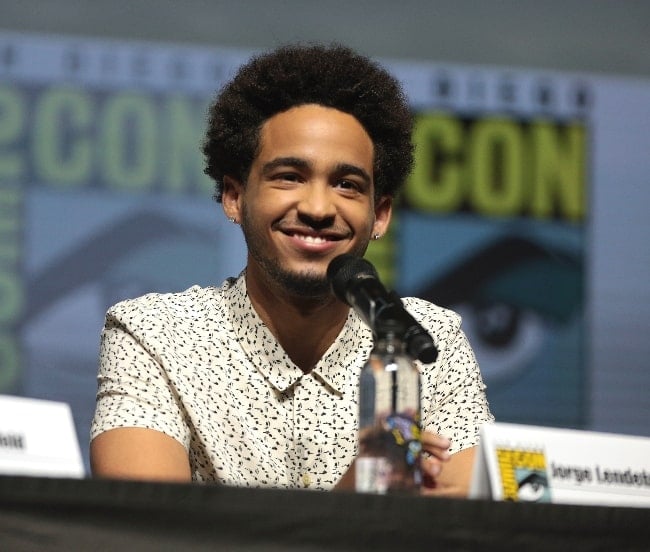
[539, 464]
[38, 438]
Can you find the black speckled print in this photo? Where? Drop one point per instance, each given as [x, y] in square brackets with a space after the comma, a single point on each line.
[201, 367]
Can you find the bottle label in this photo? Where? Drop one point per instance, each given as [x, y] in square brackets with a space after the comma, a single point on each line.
[389, 456]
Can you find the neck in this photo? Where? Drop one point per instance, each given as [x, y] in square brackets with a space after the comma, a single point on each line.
[305, 327]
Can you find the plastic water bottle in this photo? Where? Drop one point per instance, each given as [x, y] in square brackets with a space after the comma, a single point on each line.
[389, 420]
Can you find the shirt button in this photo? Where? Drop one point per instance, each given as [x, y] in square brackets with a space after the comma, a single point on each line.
[306, 480]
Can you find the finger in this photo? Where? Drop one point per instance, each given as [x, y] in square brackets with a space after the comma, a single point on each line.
[437, 447]
[432, 440]
[440, 454]
[431, 469]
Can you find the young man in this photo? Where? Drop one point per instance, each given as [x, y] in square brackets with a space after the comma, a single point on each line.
[255, 383]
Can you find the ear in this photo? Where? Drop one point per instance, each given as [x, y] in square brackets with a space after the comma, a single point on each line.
[231, 198]
[383, 212]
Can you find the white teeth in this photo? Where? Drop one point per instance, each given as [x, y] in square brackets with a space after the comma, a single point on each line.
[311, 239]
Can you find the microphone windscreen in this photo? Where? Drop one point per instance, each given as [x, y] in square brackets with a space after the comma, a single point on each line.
[343, 269]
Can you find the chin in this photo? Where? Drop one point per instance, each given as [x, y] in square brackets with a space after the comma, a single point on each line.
[307, 287]
[306, 282]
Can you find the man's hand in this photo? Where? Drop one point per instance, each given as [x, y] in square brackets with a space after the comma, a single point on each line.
[435, 453]
[445, 474]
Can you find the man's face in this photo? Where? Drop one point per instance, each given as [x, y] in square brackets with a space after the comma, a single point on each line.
[309, 198]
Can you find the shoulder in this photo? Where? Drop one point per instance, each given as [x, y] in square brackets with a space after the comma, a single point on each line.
[442, 323]
[170, 323]
[163, 309]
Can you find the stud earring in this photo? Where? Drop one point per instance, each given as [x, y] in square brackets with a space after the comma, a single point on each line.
[376, 236]
[232, 219]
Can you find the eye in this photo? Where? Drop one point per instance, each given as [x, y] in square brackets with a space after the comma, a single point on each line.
[516, 298]
[347, 184]
[288, 177]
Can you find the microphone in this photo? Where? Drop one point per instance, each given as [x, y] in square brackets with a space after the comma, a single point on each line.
[356, 282]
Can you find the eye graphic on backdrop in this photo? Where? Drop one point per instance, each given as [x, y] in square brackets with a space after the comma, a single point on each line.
[510, 294]
[141, 252]
[505, 337]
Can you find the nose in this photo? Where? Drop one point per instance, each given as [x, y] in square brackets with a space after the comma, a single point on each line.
[317, 203]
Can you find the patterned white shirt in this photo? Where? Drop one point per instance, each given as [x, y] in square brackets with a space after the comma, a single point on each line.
[201, 367]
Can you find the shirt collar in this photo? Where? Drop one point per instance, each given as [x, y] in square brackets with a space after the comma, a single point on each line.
[341, 362]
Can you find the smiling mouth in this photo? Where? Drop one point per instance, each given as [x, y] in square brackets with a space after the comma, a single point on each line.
[311, 239]
[313, 236]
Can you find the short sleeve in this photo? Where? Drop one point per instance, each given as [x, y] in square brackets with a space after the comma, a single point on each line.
[458, 405]
[133, 389]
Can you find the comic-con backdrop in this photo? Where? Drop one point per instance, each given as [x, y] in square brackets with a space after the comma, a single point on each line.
[103, 198]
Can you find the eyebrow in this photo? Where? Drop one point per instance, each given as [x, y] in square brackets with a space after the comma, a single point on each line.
[346, 168]
[298, 163]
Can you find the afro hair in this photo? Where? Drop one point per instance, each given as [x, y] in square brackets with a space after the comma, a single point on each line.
[332, 76]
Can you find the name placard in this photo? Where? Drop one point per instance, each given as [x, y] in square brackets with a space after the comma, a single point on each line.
[539, 464]
[38, 438]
